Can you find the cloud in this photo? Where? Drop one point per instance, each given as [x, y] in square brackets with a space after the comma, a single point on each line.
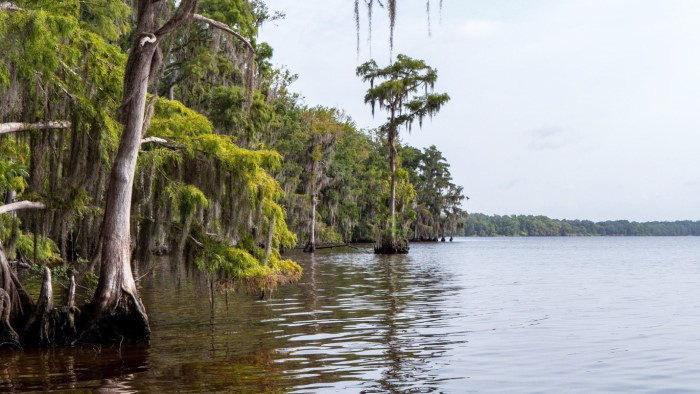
[551, 138]
[478, 28]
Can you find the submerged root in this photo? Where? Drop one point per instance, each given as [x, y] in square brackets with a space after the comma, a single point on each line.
[40, 328]
[43, 325]
[8, 336]
[66, 327]
[125, 322]
[389, 247]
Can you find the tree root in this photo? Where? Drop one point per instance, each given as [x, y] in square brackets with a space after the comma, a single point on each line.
[126, 322]
[310, 247]
[389, 247]
[8, 337]
[40, 328]
[51, 326]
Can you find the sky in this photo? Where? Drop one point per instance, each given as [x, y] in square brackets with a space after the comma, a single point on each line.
[573, 109]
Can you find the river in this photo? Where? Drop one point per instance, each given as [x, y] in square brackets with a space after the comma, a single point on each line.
[547, 315]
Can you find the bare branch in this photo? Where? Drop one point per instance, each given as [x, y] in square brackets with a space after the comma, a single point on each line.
[15, 206]
[154, 139]
[182, 14]
[147, 38]
[7, 6]
[17, 126]
[224, 27]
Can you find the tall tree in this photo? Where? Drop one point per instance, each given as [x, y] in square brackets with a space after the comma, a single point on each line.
[118, 311]
[406, 93]
[323, 133]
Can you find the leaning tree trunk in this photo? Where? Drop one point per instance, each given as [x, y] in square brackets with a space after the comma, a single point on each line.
[117, 311]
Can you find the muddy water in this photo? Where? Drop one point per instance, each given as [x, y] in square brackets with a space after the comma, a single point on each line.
[511, 315]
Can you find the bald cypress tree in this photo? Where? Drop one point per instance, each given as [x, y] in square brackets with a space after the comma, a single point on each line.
[405, 92]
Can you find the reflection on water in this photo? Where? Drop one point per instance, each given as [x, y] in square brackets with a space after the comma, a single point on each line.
[544, 315]
[73, 369]
[354, 320]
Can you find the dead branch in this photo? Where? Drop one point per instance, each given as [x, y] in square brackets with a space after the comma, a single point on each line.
[15, 206]
[224, 27]
[154, 139]
[7, 6]
[18, 126]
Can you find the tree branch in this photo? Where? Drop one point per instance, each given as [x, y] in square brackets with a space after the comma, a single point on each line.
[16, 126]
[224, 27]
[15, 206]
[182, 14]
[154, 139]
[7, 6]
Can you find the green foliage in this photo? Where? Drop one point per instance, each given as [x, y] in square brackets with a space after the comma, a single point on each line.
[191, 142]
[477, 224]
[186, 198]
[405, 91]
[237, 267]
[241, 152]
[438, 201]
[46, 253]
[13, 165]
[239, 14]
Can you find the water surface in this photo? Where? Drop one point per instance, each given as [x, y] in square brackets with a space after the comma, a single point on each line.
[509, 315]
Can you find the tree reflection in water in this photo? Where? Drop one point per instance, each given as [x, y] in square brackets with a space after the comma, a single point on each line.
[355, 321]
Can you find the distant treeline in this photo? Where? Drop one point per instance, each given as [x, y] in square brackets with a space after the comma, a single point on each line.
[477, 224]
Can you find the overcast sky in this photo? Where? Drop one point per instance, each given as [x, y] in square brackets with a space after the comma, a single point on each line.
[576, 109]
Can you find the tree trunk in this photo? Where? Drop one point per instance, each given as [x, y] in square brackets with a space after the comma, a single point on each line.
[392, 245]
[311, 245]
[270, 235]
[392, 168]
[257, 225]
[117, 312]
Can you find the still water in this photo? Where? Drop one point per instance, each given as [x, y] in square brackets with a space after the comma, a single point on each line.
[549, 315]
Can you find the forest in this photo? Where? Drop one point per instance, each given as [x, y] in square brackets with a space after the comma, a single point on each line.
[130, 130]
[477, 224]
